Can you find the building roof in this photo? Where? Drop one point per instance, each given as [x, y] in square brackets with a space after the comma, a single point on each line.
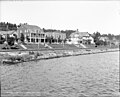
[80, 34]
[53, 32]
[30, 27]
[103, 37]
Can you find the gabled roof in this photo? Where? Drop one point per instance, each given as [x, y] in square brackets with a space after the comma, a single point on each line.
[83, 33]
[80, 34]
[31, 27]
[53, 32]
[103, 37]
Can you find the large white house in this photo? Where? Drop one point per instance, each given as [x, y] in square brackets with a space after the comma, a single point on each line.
[37, 35]
[80, 37]
[34, 33]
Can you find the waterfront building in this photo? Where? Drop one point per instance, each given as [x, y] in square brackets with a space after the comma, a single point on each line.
[104, 38]
[32, 33]
[56, 36]
[80, 37]
[114, 41]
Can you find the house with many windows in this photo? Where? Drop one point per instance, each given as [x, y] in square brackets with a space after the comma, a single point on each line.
[56, 36]
[31, 33]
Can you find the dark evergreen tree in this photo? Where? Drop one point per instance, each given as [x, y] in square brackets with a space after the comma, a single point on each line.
[96, 38]
[7, 26]
[22, 38]
[2, 40]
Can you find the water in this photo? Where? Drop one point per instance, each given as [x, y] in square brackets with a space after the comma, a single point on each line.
[75, 76]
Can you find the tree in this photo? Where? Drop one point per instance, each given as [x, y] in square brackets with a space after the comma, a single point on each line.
[28, 38]
[59, 39]
[16, 39]
[7, 26]
[22, 37]
[2, 40]
[96, 38]
[11, 41]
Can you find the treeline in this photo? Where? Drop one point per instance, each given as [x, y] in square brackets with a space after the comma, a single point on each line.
[97, 35]
[110, 36]
[7, 26]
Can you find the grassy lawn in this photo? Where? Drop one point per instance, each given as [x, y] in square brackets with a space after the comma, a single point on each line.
[34, 47]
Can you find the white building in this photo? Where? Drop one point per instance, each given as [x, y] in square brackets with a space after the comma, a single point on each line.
[80, 37]
[34, 33]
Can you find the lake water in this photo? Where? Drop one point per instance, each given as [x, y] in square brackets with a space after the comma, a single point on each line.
[75, 76]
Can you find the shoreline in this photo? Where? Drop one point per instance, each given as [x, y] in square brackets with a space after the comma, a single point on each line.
[90, 71]
[25, 56]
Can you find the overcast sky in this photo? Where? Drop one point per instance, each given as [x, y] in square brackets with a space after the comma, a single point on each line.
[90, 16]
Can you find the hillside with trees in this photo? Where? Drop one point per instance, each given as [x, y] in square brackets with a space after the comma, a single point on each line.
[7, 26]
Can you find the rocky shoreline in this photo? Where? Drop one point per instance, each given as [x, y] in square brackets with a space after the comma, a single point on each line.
[18, 57]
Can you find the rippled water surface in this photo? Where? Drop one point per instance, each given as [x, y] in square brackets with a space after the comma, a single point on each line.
[85, 75]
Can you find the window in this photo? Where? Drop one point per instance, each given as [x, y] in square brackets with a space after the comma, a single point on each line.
[80, 41]
[32, 40]
[36, 40]
[32, 34]
[42, 40]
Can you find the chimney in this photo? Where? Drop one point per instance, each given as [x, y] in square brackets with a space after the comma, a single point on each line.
[77, 30]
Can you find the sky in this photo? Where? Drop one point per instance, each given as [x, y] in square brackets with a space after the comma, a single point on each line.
[86, 16]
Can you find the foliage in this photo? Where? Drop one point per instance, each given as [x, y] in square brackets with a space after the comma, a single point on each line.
[7, 26]
[96, 38]
[22, 38]
[10, 41]
[2, 40]
[28, 39]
